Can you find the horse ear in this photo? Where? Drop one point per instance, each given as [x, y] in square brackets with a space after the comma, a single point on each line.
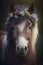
[31, 8]
[12, 7]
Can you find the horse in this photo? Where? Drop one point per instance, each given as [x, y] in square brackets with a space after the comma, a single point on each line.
[19, 40]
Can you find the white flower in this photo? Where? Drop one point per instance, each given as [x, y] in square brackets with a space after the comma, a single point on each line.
[10, 14]
[16, 16]
[34, 16]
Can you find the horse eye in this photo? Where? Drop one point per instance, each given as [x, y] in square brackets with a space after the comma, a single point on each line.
[28, 24]
[30, 27]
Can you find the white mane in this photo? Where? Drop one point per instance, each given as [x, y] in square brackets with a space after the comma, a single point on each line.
[34, 35]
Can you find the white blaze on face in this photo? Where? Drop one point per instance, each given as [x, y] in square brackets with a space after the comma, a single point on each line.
[22, 42]
[21, 26]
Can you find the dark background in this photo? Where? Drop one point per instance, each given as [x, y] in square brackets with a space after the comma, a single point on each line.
[4, 9]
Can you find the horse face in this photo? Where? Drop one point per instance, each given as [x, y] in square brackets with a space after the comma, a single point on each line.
[22, 32]
[22, 35]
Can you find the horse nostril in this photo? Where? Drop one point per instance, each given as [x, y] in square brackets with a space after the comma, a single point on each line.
[17, 48]
[25, 48]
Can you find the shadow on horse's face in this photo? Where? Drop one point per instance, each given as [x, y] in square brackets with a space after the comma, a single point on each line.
[22, 34]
